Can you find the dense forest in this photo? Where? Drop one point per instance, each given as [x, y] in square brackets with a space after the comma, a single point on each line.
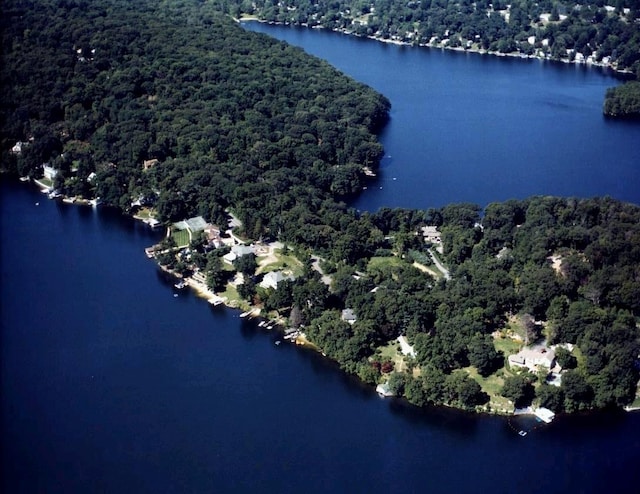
[230, 117]
[590, 30]
[173, 106]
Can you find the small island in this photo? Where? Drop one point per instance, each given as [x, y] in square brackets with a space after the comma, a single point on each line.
[247, 150]
[623, 101]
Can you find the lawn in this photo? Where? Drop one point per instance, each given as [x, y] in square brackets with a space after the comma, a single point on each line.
[508, 346]
[390, 351]
[46, 182]
[234, 299]
[144, 213]
[492, 386]
[377, 262]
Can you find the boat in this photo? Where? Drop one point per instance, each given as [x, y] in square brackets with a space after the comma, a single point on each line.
[180, 285]
[522, 433]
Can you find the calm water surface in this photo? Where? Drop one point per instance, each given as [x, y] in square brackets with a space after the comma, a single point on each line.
[476, 128]
[111, 384]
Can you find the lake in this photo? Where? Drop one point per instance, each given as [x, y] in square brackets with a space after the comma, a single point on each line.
[112, 383]
[476, 128]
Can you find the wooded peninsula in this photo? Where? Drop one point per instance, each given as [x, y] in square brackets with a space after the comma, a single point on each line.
[171, 110]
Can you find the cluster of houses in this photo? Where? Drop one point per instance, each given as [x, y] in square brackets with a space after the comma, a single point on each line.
[215, 240]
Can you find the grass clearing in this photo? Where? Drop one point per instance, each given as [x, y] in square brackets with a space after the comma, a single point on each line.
[46, 182]
[144, 213]
[492, 386]
[508, 346]
[391, 351]
[377, 262]
[234, 298]
[283, 262]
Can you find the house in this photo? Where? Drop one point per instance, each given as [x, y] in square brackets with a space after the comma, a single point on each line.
[213, 236]
[242, 250]
[272, 278]
[348, 316]
[431, 234]
[17, 148]
[49, 171]
[147, 164]
[534, 358]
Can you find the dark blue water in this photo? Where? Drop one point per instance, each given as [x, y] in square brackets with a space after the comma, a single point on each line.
[111, 384]
[477, 128]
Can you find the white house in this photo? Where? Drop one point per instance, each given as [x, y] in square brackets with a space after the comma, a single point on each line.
[17, 148]
[49, 171]
[242, 250]
[272, 278]
[533, 358]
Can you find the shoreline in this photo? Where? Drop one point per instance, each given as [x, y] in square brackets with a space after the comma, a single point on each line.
[459, 49]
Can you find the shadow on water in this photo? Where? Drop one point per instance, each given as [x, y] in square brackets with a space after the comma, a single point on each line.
[457, 422]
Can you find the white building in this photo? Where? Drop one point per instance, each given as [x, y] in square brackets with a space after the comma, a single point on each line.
[272, 278]
[49, 172]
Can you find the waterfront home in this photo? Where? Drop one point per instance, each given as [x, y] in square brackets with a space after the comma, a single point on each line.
[272, 278]
[533, 358]
[49, 171]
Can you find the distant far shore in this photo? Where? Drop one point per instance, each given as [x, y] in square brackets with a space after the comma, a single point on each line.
[472, 49]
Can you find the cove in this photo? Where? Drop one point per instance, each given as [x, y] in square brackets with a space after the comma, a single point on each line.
[477, 128]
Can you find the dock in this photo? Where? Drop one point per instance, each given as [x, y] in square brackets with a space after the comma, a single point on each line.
[215, 300]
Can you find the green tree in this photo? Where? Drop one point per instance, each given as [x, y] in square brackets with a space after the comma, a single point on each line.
[246, 264]
[519, 390]
[483, 355]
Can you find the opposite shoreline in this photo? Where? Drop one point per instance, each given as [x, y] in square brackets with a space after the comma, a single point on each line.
[458, 49]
